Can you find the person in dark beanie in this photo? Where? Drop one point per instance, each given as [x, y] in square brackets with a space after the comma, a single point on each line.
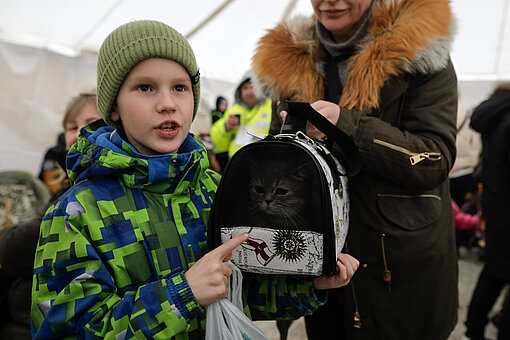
[221, 154]
[122, 254]
[492, 119]
[219, 110]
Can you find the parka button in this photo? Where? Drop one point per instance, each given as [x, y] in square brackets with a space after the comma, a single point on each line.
[174, 161]
[365, 265]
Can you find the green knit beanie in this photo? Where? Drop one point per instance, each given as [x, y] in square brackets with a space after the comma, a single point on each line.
[131, 43]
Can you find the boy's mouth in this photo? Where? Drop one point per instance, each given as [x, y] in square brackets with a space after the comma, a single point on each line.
[168, 129]
[168, 126]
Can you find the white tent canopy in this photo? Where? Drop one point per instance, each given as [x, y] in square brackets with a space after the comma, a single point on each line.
[48, 54]
[221, 32]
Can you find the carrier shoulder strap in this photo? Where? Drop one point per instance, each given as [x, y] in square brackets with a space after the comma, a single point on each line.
[298, 115]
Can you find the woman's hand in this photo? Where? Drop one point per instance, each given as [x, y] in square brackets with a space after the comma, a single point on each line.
[208, 277]
[328, 109]
[347, 266]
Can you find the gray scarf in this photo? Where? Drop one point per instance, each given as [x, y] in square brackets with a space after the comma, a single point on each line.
[342, 51]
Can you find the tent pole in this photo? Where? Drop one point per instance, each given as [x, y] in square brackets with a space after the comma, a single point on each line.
[501, 36]
[95, 26]
[209, 18]
[288, 10]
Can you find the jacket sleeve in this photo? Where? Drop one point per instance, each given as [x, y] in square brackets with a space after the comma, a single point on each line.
[75, 292]
[219, 134]
[281, 296]
[464, 221]
[417, 150]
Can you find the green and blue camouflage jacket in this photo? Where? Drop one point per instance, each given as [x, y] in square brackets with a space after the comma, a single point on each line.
[113, 250]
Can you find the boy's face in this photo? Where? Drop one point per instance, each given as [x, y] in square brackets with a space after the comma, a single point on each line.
[155, 106]
[72, 127]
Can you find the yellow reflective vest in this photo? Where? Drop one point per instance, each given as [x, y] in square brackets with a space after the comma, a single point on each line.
[258, 118]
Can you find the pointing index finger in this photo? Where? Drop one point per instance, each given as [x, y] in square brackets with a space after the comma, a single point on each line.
[226, 248]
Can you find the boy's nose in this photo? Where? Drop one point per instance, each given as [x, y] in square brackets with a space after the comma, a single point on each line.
[165, 102]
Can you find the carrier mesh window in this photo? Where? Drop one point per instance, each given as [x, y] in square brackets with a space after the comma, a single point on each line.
[272, 185]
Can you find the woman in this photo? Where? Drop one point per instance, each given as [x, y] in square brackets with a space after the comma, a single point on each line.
[380, 70]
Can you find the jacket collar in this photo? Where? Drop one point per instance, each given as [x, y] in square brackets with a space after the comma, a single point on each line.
[100, 151]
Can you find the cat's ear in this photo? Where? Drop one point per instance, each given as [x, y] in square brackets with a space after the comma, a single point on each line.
[301, 172]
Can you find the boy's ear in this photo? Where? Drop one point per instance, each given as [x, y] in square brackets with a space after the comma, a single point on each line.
[114, 116]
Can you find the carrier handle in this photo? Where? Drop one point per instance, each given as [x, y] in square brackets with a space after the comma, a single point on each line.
[299, 113]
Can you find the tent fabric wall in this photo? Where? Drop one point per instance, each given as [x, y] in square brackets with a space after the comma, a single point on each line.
[35, 86]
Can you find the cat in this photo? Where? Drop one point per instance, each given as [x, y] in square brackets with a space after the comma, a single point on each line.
[278, 194]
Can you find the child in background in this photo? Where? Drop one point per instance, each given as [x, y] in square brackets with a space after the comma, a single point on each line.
[123, 253]
[18, 242]
[464, 221]
[80, 111]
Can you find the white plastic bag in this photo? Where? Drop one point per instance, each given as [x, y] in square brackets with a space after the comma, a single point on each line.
[225, 319]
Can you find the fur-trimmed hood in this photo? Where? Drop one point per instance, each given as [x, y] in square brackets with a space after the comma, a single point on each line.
[403, 36]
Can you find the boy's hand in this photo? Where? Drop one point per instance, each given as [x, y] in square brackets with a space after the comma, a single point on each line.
[208, 277]
[347, 266]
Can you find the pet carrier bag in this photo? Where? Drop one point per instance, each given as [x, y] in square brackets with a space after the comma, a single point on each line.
[290, 194]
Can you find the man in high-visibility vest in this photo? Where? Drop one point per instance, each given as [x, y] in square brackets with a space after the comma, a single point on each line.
[249, 112]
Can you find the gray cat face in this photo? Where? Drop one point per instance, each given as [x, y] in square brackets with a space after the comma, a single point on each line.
[278, 196]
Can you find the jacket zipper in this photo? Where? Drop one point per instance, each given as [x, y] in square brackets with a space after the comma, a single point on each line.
[387, 272]
[414, 157]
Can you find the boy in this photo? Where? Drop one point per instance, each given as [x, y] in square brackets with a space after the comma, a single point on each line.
[122, 254]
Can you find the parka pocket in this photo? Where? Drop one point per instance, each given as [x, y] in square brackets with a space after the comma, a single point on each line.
[410, 212]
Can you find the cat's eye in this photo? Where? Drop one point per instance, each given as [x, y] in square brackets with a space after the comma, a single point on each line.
[281, 191]
[259, 189]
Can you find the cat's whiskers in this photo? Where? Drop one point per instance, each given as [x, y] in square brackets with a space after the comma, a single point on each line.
[293, 216]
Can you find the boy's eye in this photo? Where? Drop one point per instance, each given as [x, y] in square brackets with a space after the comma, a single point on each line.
[143, 88]
[180, 88]
[71, 128]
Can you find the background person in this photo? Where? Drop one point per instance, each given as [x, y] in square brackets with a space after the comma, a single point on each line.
[19, 241]
[80, 111]
[219, 110]
[398, 103]
[492, 119]
[221, 154]
[248, 112]
[463, 178]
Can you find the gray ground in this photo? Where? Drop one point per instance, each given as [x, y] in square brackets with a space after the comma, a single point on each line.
[469, 269]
